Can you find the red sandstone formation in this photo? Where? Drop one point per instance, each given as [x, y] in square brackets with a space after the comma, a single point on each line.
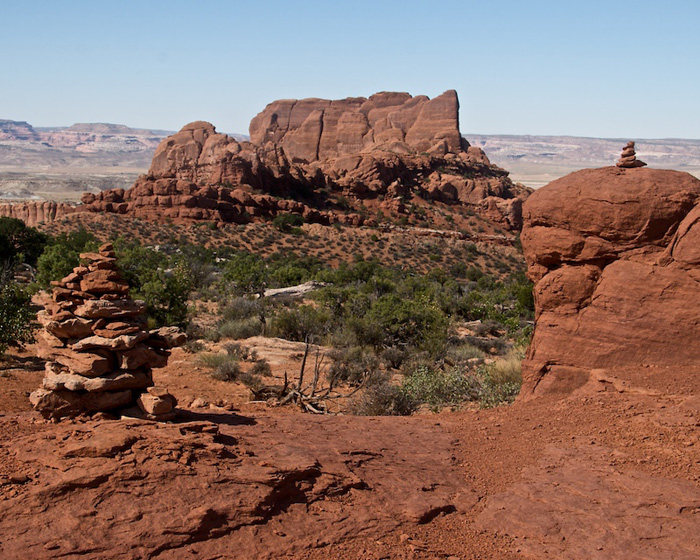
[320, 129]
[306, 154]
[615, 260]
[33, 213]
[101, 353]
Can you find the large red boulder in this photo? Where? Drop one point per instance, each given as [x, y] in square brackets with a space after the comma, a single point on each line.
[614, 257]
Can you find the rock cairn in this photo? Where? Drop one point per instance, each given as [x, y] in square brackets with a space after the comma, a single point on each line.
[628, 159]
[99, 350]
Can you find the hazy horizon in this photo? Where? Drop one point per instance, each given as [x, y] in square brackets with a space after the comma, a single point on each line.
[549, 69]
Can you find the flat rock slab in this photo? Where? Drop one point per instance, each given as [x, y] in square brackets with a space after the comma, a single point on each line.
[577, 504]
[262, 486]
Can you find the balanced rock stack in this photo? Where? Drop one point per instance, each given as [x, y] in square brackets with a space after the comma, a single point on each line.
[99, 350]
[628, 159]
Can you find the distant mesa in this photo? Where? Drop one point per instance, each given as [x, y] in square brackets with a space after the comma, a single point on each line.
[322, 159]
[615, 257]
[628, 159]
[17, 130]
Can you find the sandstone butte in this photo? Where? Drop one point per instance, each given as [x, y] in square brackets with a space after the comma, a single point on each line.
[615, 257]
[305, 157]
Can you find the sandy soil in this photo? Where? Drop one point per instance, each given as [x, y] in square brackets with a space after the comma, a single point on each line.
[612, 471]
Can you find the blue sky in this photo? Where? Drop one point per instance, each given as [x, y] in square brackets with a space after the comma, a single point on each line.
[607, 69]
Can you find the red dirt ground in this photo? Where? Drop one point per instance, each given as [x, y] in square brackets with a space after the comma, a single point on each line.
[611, 471]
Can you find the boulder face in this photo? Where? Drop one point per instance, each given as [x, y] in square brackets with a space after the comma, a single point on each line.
[614, 254]
[320, 129]
[307, 156]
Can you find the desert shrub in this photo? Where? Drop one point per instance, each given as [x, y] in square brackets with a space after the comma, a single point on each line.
[166, 294]
[241, 308]
[488, 345]
[489, 328]
[458, 269]
[16, 316]
[251, 380]
[224, 366]
[261, 367]
[240, 328]
[19, 243]
[247, 271]
[394, 356]
[300, 323]
[164, 283]
[288, 223]
[236, 350]
[474, 273]
[352, 365]
[501, 380]
[55, 263]
[381, 398]
[193, 346]
[439, 387]
[201, 264]
[416, 323]
[62, 255]
[463, 351]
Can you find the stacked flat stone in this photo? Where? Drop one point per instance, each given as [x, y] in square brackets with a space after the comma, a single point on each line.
[100, 353]
[628, 159]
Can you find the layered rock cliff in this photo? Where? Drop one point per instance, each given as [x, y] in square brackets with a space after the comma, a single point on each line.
[614, 254]
[319, 129]
[34, 213]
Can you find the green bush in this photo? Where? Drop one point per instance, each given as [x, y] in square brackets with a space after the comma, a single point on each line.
[224, 366]
[163, 282]
[16, 316]
[439, 388]
[261, 367]
[288, 223]
[56, 262]
[300, 323]
[241, 308]
[416, 323]
[247, 271]
[460, 353]
[61, 255]
[166, 294]
[19, 243]
[501, 380]
[240, 328]
[352, 365]
[381, 398]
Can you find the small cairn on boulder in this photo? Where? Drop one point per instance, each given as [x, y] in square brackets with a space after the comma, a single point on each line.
[99, 350]
[628, 159]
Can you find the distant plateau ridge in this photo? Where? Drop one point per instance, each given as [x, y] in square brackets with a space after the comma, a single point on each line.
[60, 163]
